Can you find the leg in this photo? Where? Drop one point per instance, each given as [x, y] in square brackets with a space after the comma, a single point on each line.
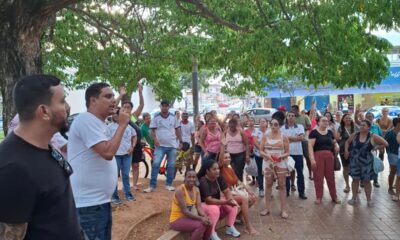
[230, 213]
[260, 177]
[329, 173]
[292, 178]
[281, 172]
[392, 174]
[126, 168]
[118, 159]
[238, 162]
[196, 160]
[244, 206]
[96, 221]
[299, 166]
[171, 156]
[135, 175]
[213, 213]
[354, 188]
[269, 175]
[194, 227]
[368, 189]
[159, 154]
[345, 165]
[319, 176]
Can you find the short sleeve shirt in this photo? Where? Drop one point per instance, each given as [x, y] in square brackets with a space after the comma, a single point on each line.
[37, 191]
[94, 178]
[187, 131]
[145, 130]
[213, 189]
[259, 135]
[322, 142]
[304, 121]
[165, 129]
[295, 148]
[126, 141]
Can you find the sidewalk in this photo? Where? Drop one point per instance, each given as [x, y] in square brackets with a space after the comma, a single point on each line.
[328, 221]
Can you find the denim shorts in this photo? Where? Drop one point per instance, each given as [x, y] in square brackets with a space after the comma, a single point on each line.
[197, 149]
[393, 159]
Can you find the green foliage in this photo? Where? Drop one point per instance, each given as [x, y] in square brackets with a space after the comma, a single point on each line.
[255, 44]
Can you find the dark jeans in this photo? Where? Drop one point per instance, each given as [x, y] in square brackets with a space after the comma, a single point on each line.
[299, 164]
[96, 221]
[237, 163]
[260, 176]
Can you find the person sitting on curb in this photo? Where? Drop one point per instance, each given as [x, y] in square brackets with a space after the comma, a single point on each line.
[243, 196]
[215, 204]
[187, 215]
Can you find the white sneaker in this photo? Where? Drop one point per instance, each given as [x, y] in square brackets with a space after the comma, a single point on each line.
[148, 190]
[232, 231]
[214, 236]
[261, 193]
[170, 188]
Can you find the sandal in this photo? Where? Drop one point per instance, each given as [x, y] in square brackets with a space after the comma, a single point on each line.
[346, 190]
[317, 202]
[293, 188]
[395, 198]
[284, 215]
[336, 201]
[264, 212]
[252, 232]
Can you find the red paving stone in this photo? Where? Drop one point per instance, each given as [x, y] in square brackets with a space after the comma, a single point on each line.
[328, 220]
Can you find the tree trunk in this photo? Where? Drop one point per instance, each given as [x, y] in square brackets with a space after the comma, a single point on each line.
[22, 24]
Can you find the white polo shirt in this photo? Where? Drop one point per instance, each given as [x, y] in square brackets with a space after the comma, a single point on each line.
[165, 129]
[295, 148]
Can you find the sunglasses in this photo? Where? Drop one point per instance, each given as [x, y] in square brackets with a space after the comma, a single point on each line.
[64, 164]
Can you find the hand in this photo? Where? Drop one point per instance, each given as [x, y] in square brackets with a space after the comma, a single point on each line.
[206, 154]
[313, 164]
[140, 87]
[231, 202]
[122, 90]
[130, 150]
[247, 159]
[336, 148]
[205, 221]
[156, 142]
[124, 117]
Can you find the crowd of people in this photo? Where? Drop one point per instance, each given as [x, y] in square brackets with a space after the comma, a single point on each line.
[72, 177]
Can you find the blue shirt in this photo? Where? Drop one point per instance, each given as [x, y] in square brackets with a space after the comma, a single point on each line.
[376, 129]
[393, 147]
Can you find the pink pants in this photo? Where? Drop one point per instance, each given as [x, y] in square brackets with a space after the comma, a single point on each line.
[216, 212]
[325, 164]
[196, 228]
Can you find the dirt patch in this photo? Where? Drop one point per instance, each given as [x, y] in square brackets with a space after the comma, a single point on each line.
[128, 214]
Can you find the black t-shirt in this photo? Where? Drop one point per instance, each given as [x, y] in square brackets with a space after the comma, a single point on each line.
[36, 190]
[209, 188]
[322, 142]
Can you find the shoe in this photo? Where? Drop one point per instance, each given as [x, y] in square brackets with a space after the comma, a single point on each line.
[376, 184]
[261, 193]
[353, 201]
[264, 212]
[149, 190]
[287, 194]
[232, 232]
[395, 198]
[214, 236]
[284, 215]
[170, 188]
[336, 201]
[346, 190]
[130, 198]
[303, 196]
[370, 203]
[116, 201]
[293, 188]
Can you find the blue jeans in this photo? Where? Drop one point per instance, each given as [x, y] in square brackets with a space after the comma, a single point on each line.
[159, 154]
[299, 165]
[260, 176]
[96, 221]
[124, 166]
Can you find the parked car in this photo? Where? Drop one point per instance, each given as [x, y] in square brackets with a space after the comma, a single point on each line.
[394, 111]
[258, 113]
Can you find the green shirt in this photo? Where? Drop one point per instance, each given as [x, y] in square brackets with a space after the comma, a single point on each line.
[305, 122]
[145, 130]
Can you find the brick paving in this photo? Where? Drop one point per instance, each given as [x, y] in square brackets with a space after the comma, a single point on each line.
[328, 221]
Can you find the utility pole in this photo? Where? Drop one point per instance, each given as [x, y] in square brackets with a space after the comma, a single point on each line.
[195, 88]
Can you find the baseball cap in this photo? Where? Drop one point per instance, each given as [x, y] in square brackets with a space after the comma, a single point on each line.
[281, 108]
[164, 101]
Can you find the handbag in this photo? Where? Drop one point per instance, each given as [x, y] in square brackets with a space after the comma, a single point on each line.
[378, 165]
[239, 190]
[251, 168]
[291, 164]
[193, 209]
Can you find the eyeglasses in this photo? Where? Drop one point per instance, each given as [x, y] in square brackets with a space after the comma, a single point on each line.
[61, 161]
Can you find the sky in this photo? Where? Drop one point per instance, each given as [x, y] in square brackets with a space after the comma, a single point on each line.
[392, 36]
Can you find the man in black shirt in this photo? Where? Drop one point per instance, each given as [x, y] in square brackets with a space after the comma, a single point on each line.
[36, 199]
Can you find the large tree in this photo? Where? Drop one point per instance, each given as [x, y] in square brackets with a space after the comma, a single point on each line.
[122, 41]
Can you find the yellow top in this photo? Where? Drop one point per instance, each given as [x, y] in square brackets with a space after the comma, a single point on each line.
[176, 211]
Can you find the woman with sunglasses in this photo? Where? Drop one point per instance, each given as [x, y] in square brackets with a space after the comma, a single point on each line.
[358, 149]
[320, 145]
[347, 127]
[331, 122]
[275, 150]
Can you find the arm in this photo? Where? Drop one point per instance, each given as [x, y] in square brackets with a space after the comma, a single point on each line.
[221, 155]
[154, 137]
[347, 144]
[11, 231]
[107, 149]
[192, 139]
[398, 138]
[311, 143]
[246, 146]
[256, 144]
[264, 154]
[285, 147]
[139, 109]
[182, 205]
[122, 93]
[203, 135]
[133, 144]
[358, 110]
[379, 140]
[178, 134]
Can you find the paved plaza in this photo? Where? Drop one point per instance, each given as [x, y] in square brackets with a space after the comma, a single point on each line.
[328, 220]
